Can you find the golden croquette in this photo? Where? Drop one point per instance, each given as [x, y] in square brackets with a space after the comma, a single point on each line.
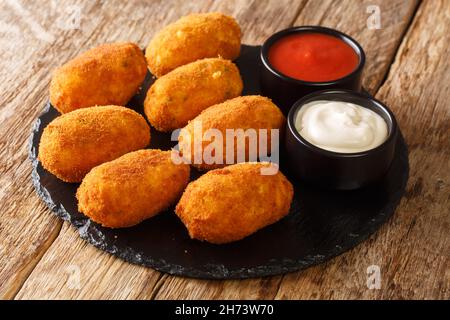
[193, 37]
[229, 204]
[75, 142]
[106, 75]
[132, 188]
[183, 93]
[241, 113]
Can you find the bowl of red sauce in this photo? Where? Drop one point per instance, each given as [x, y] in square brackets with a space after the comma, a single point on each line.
[300, 60]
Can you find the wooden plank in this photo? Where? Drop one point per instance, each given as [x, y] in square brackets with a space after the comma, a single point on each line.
[26, 227]
[73, 269]
[34, 41]
[103, 276]
[350, 17]
[353, 17]
[405, 269]
[412, 250]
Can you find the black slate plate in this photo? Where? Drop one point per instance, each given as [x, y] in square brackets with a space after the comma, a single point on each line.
[321, 224]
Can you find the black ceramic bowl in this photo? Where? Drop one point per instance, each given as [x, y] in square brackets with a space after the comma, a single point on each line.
[344, 171]
[284, 90]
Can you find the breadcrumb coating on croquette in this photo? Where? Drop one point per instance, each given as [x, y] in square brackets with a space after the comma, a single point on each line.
[193, 37]
[132, 188]
[75, 142]
[183, 93]
[104, 75]
[228, 204]
[245, 112]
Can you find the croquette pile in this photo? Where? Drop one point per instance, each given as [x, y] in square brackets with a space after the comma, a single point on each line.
[101, 143]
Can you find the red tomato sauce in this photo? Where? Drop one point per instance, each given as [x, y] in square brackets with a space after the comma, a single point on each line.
[313, 57]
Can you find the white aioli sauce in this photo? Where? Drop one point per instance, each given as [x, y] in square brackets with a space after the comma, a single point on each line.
[340, 126]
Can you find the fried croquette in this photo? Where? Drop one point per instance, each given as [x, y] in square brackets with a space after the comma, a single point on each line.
[193, 37]
[183, 93]
[106, 75]
[234, 116]
[229, 204]
[75, 142]
[132, 188]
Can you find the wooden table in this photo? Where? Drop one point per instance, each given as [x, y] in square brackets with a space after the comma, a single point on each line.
[407, 67]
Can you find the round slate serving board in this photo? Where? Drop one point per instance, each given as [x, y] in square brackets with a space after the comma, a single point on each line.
[321, 223]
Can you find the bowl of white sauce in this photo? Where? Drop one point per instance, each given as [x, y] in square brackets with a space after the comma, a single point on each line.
[340, 139]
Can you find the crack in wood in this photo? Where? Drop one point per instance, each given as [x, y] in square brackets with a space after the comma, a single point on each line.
[250, 20]
[28, 268]
[403, 38]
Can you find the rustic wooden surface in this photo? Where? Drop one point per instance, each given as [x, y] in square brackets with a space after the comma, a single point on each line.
[407, 67]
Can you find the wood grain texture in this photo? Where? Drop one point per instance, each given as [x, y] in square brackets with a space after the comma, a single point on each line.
[39, 259]
[73, 269]
[36, 41]
[320, 282]
[412, 250]
[101, 22]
